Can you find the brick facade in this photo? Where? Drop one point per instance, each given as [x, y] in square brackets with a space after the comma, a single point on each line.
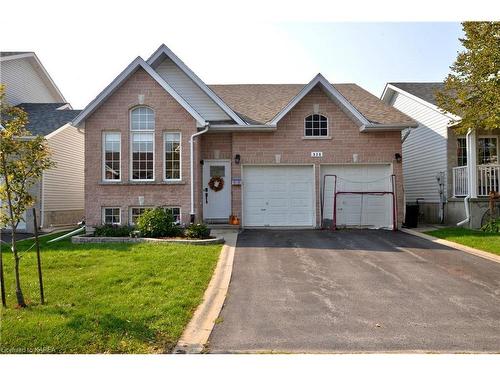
[254, 148]
[113, 115]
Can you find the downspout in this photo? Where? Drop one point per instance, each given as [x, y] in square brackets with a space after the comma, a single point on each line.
[466, 199]
[191, 166]
[404, 193]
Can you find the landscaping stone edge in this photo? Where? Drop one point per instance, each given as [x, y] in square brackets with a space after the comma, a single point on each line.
[92, 239]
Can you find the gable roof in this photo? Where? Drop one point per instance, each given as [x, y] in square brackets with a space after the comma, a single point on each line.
[423, 90]
[163, 50]
[44, 118]
[262, 102]
[138, 63]
[37, 64]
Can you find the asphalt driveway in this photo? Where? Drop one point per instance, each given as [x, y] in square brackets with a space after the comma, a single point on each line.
[357, 291]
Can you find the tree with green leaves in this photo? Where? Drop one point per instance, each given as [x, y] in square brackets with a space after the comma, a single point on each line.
[472, 90]
[23, 158]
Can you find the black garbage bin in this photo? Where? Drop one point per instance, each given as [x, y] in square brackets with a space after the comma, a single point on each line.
[411, 216]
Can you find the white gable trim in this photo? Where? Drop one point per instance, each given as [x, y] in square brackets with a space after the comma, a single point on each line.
[164, 50]
[37, 64]
[332, 91]
[118, 81]
[419, 100]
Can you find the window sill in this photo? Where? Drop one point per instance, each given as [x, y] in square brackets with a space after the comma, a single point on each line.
[128, 183]
[318, 137]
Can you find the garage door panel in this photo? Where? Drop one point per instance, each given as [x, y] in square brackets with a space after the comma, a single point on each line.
[353, 209]
[287, 198]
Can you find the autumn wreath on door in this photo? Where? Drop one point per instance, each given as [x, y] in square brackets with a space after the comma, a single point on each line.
[216, 183]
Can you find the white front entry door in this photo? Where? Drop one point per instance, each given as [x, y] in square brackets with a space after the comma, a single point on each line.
[278, 196]
[217, 204]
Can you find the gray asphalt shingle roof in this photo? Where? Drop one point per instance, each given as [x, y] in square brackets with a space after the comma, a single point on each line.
[422, 90]
[5, 54]
[259, 103]
[44, 118]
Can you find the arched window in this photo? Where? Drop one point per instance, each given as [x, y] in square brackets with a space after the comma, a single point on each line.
[316, 126]
[142, 118]
[142, 126]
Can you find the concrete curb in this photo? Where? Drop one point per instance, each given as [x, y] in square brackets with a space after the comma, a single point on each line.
[454, 245]
[197, 332]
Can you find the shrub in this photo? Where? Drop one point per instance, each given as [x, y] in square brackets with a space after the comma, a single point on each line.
[157, 223]
[197, 231]
[109, 230]
[493, 226]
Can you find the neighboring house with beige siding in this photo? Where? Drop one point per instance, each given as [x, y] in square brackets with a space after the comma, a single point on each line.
[158, 136]
[467, 165]
[59, 194]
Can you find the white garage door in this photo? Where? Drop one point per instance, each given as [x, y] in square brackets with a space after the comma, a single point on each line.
[278, 196]
[355, 210]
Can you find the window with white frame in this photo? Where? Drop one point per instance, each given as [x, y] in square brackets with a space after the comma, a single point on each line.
[111, 215]
[172, 148]
[135, 212]
[175, 212]
[142, 125]
[487, 150]
[316, 126]
[461, 151]
[112, 153]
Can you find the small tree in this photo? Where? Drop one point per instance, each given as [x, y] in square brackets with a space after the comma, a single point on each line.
[472, 90]
[23, 158]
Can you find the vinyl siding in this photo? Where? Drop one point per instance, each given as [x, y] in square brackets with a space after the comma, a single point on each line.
[23, 83]
[424, 151]
[63, 185]
[190, 91]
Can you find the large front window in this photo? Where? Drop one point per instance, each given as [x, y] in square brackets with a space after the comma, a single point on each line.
[316, 126]
[142, 125]
[487, 150]
[112, 149]
[172, 156]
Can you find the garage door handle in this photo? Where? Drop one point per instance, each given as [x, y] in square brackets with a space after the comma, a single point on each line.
[262, 209]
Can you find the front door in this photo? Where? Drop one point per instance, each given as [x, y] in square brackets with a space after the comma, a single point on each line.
[217, 190]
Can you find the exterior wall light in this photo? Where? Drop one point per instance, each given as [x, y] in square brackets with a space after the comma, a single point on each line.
[398, 157]
[237, 159]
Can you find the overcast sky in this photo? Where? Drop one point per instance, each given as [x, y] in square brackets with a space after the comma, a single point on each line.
[84, 49]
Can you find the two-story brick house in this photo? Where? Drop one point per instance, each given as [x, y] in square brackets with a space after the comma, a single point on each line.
[159, 136]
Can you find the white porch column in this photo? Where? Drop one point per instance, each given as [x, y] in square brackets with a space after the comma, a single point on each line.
[472, 163]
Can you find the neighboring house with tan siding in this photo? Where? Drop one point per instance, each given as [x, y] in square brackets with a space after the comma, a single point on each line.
[59, 194]
[468, 165]
[159, 136]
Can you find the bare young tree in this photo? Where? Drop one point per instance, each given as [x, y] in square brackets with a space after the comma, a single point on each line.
[23, 158]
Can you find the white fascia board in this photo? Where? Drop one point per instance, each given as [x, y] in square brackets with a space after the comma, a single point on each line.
[331, 90]
[422, 101]
[58, 130]
[383, 127]
[163, 49]
[119, 80]
[238, 128]
[49, 78]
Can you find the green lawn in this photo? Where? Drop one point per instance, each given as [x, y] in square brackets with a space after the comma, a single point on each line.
[489, 242]
[105, 298]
